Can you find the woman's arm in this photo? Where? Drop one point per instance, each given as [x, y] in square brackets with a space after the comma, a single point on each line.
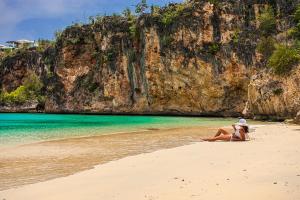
[243, 134]
[236, 138]
[233, 127]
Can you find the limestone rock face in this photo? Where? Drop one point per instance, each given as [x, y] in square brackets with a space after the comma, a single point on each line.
[188, 67]
[276, 96]
[297, 118]
[202, 63]
[14, 69]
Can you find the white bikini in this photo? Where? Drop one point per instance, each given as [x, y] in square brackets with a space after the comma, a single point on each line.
[238, 134]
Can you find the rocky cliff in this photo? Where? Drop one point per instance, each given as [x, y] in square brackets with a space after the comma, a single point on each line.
[196, 58]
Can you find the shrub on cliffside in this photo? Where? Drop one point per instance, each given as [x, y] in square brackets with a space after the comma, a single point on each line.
[295, 31]
[33, 85]
[266, 46]
[215, 2]
[17, 96]
[267, 21]
[1, 96]
[44, 44]
[171, 13]
[132, 20]
[283, 59]
[30, 90]
[297, 14]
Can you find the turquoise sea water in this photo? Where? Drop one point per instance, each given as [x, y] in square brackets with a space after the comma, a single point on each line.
[26, 128]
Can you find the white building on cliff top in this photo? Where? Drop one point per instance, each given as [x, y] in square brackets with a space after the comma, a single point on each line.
[22, 43]
[3, 47]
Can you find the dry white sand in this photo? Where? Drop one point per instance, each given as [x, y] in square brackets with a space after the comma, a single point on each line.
[267, 167]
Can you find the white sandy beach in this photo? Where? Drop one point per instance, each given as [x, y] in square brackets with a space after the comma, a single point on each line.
[267, 167]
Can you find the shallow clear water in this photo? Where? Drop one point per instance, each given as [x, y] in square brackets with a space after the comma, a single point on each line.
[25, 128]
[62, 153]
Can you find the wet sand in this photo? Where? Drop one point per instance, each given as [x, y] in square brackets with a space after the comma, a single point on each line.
[43, 161]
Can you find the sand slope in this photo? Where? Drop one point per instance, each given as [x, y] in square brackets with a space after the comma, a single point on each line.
[267, 167]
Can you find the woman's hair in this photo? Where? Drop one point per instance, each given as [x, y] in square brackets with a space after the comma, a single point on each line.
[246, 129]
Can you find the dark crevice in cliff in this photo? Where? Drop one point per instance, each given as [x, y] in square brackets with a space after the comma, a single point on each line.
[131, 57]
[144, 81]
[216, 24]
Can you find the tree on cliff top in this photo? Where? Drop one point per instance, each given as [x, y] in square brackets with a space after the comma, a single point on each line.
[127, 13]
[131, 19]
[155, 10]
[141, 7]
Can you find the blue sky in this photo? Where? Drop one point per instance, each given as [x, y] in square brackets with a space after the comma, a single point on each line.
[34, 19]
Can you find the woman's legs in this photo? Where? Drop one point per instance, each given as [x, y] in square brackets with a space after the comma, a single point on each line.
[220, 137]
[222, 131]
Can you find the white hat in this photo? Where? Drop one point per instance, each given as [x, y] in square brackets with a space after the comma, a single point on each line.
[242, 122]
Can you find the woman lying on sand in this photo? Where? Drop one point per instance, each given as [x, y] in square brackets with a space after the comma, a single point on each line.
[241, 130]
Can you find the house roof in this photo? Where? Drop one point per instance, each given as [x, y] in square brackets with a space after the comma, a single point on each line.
[5, 47]
[23, 41]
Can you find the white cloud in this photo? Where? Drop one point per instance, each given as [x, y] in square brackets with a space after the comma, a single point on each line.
[12, 12]
[41, 8]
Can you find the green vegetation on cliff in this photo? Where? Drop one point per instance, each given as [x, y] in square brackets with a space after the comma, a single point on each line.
[30, 90]
[283, 59]
[295, 31]
[267, 21]
[266, 46]
[171, 13]
[284, 55]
